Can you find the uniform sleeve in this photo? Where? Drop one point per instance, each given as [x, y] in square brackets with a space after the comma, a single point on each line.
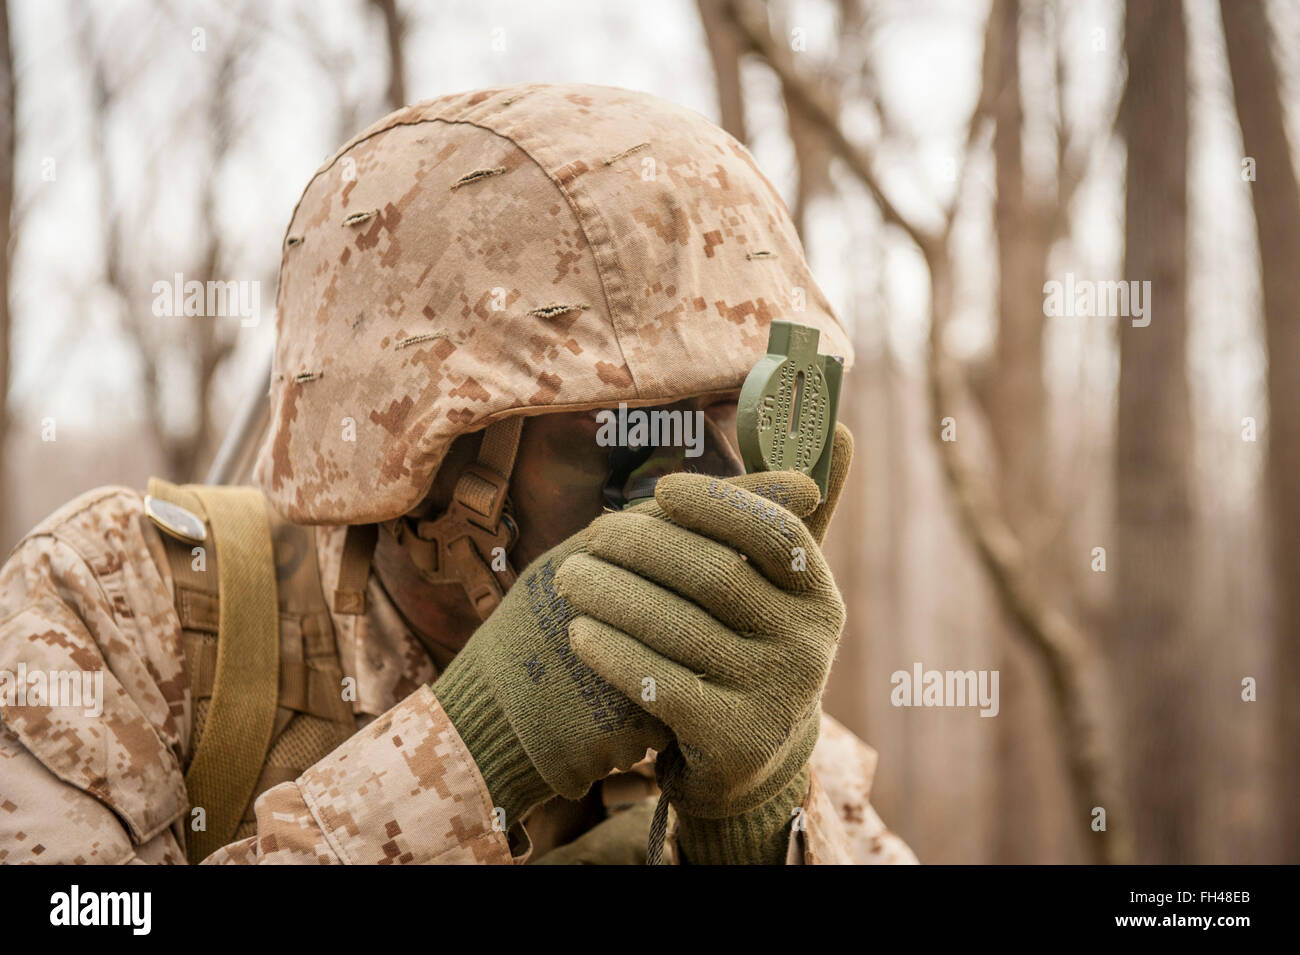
[403, 790]
[91, 692]
[44, 820]
[406, 790]
[840, 826]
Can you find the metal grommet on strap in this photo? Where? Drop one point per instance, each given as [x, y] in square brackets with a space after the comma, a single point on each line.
[175, 520]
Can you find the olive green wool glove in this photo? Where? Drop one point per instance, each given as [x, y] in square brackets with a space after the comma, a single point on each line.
[714, 607]
[537, 720]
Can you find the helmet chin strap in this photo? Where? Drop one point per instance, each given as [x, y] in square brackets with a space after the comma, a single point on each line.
[468, 544]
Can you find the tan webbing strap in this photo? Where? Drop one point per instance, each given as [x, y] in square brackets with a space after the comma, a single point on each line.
[500, 444]
[496, 455]
[475, 512]
[229, 758]
[303, 687]
[354, 568]
[458, 546]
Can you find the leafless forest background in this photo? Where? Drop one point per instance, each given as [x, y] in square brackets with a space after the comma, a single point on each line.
[944, 160]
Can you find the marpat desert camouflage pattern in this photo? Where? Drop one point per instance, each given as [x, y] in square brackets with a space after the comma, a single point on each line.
[90, 589]
[521, 250]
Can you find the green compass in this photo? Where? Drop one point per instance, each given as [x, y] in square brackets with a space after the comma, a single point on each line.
[787, 409]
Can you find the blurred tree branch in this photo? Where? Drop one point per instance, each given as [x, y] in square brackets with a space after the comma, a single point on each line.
[1078, 146]
[812, 154]
[1062, 648]
[724, 51]
[751, 20]
[1256, 86]
[395, 38]
[338, 64]
[211, 341]
[335, 67]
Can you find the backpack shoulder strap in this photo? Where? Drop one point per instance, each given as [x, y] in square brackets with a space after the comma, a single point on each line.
[229, 758]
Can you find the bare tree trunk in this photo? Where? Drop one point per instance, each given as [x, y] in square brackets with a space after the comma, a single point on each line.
[8, 142]
[1153, 649]
[1256, 86]
[1016, 393]
[395, 37]
[724, 49]
[1016, 401]
[813, 164]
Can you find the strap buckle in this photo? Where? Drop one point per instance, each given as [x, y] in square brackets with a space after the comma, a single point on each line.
[480, 496]
[458, 546]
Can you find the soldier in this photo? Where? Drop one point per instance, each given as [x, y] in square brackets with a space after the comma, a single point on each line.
[345, 666]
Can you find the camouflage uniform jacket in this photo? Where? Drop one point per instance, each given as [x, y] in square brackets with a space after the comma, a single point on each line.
[90, 591]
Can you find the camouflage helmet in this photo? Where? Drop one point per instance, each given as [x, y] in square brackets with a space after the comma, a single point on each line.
[512, 252]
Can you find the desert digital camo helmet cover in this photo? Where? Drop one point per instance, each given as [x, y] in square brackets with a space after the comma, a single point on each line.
[514, 251]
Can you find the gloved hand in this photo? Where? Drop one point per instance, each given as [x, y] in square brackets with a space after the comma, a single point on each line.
[537, 720]
[722, 598]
